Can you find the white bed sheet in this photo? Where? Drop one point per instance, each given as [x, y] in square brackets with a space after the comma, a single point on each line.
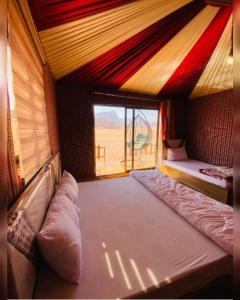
[192, 167]
[148, 245]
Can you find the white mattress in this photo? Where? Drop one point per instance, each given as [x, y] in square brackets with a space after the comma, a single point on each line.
[192, 167]
[148, 245]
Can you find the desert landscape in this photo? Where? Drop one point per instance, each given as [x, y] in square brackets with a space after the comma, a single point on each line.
[112, 140]
[110, 149]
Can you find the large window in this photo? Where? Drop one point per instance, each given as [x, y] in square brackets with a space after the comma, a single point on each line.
[125, 139]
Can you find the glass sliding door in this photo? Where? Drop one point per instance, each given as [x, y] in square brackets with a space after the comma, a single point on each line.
[125, 139]
[109, 139]
[129, 139]
[145, 138]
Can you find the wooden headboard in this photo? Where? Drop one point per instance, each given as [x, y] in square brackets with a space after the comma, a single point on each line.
[33, 204]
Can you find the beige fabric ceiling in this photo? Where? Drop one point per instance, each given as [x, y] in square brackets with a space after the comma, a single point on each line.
[82, 47]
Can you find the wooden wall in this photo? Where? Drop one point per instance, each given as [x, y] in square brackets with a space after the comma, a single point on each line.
[3, 145]
[34, 92]
[209, 128]
[51, 108]
[3, 97]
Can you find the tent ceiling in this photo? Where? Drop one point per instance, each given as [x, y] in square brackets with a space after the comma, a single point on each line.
[219, 2]
[177, 48]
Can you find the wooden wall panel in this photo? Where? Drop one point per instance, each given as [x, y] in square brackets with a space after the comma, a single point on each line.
[28, 87]
[3, 145]
[51, 108]
[3, 98]
[209, 128]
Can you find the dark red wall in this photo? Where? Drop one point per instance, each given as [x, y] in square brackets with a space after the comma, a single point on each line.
[76, 131]
[236, 142]
[209, 128]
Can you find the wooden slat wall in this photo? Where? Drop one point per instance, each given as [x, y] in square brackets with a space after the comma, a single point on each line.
[29, 95]
[50, 99]
[3, 100]
[3, 146]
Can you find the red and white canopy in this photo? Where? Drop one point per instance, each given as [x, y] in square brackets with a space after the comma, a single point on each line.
[177, 48]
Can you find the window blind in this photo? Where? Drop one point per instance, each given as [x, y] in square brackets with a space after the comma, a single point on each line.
[28, 106]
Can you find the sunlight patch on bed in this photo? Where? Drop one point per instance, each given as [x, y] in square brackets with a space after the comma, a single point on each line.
[153, 277]
[125, 276]
[167, 279]
[138, 275]
[109, 265]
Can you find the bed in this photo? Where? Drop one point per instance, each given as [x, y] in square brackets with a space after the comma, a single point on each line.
[134, 243]
[187, 171]
[192, 167]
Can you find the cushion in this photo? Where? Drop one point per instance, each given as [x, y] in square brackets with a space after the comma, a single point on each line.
[36, 200]
[61, 203]
[59, 239]
[21, 275]
[175, 143]
[177, 154]
[21, 236]
[68, 186]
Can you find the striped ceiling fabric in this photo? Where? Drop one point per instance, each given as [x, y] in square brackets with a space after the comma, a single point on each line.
[177, 48]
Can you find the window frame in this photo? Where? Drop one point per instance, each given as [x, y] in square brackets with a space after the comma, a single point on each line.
[133, 107]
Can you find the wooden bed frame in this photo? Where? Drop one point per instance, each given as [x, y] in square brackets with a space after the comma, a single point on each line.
[221, 194]
[33, 202]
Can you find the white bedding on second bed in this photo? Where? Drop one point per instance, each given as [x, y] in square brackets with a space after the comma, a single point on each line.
[192, 167]
[146, 242]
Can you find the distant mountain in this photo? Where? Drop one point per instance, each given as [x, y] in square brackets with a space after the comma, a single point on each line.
[107, 120]
[111, 120]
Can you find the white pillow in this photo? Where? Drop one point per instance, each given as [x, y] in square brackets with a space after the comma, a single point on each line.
[177, 154]
[68, 186]
[59, 239]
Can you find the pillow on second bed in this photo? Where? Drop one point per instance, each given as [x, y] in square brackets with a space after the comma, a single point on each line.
[177, 153]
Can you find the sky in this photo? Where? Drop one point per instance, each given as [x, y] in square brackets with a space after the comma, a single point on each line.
[120, 111]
